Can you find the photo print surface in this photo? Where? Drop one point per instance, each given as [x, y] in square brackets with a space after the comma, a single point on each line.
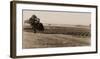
[52, 29]
[49, 29]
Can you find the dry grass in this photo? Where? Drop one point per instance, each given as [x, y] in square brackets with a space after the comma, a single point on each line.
[42, 40]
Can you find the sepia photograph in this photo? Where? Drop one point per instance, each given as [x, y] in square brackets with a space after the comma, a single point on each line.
[52, 29]
[48, 29]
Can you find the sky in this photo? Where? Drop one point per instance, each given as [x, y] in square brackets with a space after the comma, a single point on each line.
[53, 17]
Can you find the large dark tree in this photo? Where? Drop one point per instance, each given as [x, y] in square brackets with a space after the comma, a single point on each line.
[35, 23]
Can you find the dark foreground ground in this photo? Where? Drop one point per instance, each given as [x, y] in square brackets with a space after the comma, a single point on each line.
[56, 37]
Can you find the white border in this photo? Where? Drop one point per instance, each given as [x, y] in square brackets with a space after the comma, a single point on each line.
[39, 51]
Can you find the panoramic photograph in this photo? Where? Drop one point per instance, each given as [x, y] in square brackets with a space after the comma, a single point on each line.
[50, 29]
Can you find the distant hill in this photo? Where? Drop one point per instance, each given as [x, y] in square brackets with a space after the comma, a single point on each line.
[27, 25]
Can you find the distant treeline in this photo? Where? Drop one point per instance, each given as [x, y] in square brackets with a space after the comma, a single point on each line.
[86, 32]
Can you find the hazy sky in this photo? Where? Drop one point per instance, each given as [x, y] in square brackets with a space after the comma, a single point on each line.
[73, 18]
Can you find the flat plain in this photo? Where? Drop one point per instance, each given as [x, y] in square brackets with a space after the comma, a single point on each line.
[56, 36]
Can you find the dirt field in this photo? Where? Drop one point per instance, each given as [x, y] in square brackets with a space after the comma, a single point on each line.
[55, 37]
